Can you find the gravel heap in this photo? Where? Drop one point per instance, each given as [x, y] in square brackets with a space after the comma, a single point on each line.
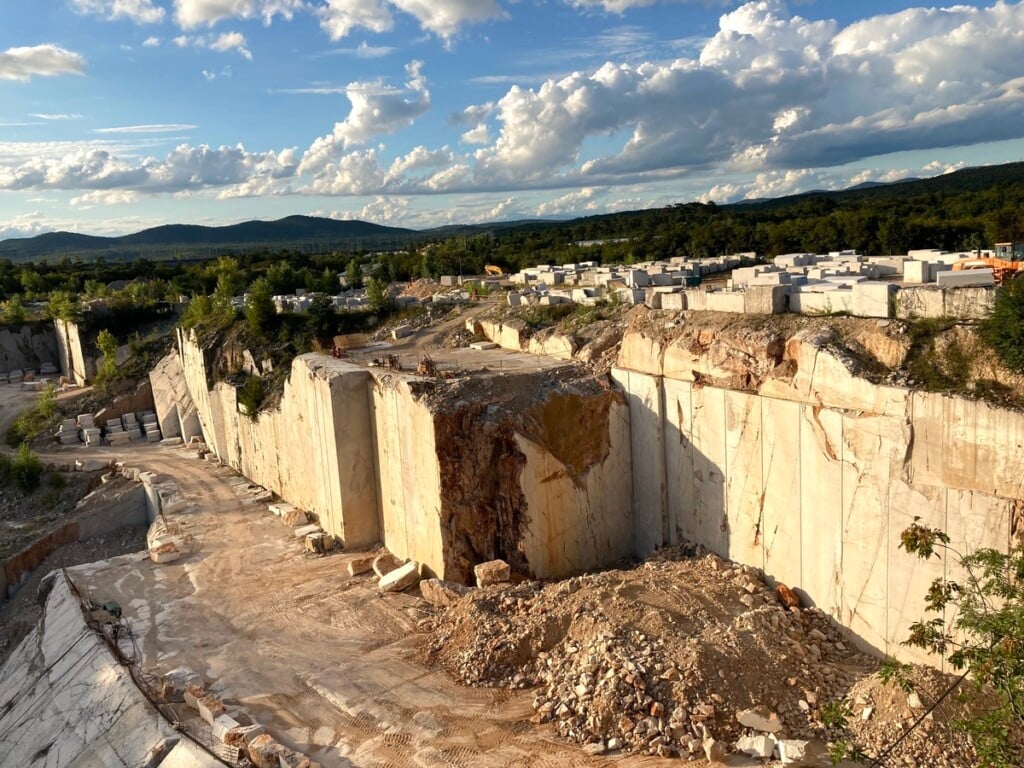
[662, 658]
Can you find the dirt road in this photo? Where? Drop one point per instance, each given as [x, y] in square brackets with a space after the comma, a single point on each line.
[329, 665]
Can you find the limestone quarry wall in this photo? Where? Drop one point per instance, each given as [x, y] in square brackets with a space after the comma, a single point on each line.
[813, 475]
[545, 485]
[315, 450]
[172, 401]
[27, 346]
[73, 361]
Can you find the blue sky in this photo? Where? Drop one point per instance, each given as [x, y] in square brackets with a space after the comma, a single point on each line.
[116, 115]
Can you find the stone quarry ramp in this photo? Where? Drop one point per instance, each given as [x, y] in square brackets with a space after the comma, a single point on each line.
[663, 658]
[65, 701]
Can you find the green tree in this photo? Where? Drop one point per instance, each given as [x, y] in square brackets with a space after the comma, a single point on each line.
[354, 275]
[1004, 328]
[321, 320]
[12, 311]
[107, 344]
[986, 640]
[62, 305]
[259, 310]
[378, 296]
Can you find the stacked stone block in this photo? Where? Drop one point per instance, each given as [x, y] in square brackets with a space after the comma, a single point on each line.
[68, 432]
[88, 430]
[116, 434]
[131, 426]
[150, 427]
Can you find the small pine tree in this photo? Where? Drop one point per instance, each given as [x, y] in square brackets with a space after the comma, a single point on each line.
[107, 344]
[259, 310]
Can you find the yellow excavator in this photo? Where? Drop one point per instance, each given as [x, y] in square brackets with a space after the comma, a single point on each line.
[493, 271]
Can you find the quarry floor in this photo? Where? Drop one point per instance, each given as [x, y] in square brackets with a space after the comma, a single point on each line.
[330, 666]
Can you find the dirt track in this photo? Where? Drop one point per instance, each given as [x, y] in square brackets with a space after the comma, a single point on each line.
[329, 665]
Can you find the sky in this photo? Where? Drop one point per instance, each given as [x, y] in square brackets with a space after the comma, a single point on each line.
[117, 115]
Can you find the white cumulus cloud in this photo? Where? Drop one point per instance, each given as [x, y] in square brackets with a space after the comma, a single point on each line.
[222, 43]
[139, 11]
[377, 109]
[46, 60]
[194, 13]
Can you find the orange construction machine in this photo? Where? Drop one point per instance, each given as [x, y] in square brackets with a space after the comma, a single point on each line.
[1002, 269]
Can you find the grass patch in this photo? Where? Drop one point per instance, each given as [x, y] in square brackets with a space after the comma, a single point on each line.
[33, 421]
[23, 470]
[935, 367]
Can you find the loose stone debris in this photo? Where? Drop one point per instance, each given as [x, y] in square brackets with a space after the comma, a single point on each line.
[679, 657]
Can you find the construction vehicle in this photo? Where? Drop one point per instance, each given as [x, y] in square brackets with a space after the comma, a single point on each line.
[493, 271]
[1002, 269]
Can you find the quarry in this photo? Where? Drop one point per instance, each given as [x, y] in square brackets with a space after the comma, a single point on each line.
[643, 537]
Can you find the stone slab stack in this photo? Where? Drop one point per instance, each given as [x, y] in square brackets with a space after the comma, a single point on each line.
[15, 377]
[116, 434]
[48, 369]
[131, 426]
[88, 430]
[68, 432]
[151, 427]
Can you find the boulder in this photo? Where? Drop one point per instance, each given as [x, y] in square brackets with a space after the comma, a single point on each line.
[222, 726]
[802, 753]
[760, 719]
[174, 683]
[787, 596]
[359, 564]
[760, 746]
[714, 750]
[265, 752]
[210, 708]
[493, 572]
[401, 578]
[441, 593]
[385, 563]
[243, 735]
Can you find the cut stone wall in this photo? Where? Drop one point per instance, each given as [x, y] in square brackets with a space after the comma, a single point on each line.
[69, 703]
[315, 450]
[813, 476]
[73, 361]
[514, 467]
[172, 401]
[27, 346]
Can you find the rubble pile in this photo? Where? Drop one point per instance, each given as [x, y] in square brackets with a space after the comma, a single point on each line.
[880, 714]
[678, 657]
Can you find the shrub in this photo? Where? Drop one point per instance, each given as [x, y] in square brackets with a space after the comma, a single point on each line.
[34, 420]
[26, 469]
[1003, 330]
[251, 396]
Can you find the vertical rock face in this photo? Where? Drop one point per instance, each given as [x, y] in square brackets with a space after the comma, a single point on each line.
[316, 450]
[175, 411]
[531, 468]
[812, 473]
[27, 346]
[530, 472]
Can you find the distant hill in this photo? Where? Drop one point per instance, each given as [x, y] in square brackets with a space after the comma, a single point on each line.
[309, 234]
[191, 241]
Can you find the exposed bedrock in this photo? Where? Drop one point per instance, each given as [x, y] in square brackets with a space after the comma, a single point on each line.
[767, 447]
[812, 473]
